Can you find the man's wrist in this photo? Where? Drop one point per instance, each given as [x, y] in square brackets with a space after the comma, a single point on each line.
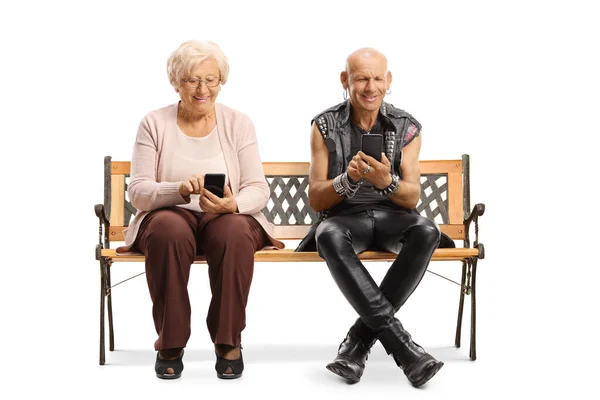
[392, 188]
[338, 186]
[344, 186]
[387, 183]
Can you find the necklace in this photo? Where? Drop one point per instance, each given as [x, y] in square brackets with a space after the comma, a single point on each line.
[366, 131]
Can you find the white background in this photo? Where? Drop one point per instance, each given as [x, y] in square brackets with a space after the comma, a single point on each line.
[514, 84]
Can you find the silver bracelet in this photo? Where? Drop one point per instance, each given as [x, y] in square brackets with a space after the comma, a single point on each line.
[337, 185]
[344, 187]
[350, 188]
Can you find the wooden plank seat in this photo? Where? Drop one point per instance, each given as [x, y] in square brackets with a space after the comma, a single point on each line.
[445, 198]
[288, 255]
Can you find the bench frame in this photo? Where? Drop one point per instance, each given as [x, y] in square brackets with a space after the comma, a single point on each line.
[458, 218]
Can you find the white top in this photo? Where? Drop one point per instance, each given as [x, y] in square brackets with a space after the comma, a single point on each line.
[197, 156]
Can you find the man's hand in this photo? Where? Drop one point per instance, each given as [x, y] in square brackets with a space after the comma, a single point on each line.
[193, 185]
[371, 170]
[353, 172]
[211, 203]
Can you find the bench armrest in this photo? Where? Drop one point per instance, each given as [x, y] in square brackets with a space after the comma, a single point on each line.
[477, 211]
[103, 226]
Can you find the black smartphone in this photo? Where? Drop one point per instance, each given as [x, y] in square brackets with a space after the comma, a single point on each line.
[215, 183]
[372, 145]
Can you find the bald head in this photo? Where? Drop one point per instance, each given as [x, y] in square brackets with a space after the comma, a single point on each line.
[366, 79]
[365, 55]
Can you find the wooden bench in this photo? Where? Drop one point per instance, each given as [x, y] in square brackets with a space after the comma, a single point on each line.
[445, 198]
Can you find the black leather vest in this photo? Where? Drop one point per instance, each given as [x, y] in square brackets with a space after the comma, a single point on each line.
[334, 125]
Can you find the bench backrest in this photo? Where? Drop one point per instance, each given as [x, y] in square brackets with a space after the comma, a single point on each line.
[444, 196]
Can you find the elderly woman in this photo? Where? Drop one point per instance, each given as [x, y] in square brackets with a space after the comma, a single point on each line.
[179, 218]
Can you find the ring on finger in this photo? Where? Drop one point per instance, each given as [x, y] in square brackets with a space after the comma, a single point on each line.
[367, 170]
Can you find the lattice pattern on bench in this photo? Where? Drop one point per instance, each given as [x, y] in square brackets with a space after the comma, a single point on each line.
[434, 198]
[288, 208]
[288, 203]
[130, 210]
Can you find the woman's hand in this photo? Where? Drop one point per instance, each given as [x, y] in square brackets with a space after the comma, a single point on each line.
[210, 202]
[371, 170]
[193, 185]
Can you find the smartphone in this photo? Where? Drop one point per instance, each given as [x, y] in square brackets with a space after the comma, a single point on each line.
[372, 145]
[215, 183]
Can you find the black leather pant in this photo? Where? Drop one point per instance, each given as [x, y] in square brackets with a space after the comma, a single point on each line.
[340, 238]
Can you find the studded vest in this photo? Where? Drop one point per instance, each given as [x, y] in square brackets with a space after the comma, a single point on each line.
[399, 129]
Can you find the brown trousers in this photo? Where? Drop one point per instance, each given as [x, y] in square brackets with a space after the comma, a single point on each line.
[170, 238]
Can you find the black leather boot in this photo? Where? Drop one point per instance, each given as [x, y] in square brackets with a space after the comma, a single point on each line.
[338, 244]
[417, 364]
[351, 357]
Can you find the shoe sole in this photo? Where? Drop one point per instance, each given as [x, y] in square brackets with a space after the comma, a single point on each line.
[343, 373]
[432, 371]
[168, 376]
[228, 376]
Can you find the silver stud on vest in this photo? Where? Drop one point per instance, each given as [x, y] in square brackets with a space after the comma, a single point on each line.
[390, 144]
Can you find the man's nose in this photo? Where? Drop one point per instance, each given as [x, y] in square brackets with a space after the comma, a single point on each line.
[370, 84]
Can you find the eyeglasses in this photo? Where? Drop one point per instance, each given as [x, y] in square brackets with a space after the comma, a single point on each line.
[194, 83]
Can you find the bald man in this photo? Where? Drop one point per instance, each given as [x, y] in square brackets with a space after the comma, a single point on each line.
[368, 202]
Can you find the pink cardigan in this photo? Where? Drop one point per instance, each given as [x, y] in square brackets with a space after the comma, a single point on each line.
[151, 186]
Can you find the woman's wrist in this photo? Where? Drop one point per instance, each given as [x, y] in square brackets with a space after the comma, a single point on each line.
[233, 206]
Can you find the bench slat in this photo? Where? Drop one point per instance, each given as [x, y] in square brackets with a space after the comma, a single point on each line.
[286, 168]
[302, 168]
[288, 255]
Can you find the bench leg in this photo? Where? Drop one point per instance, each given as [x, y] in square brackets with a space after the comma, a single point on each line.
[111, 334]
[472, 352]
[103, 284]
[461, 304]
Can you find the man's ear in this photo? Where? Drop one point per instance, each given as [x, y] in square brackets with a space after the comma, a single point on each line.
[389, 79]
[344, 79]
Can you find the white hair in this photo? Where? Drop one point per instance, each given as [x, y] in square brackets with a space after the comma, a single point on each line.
[191, 53]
